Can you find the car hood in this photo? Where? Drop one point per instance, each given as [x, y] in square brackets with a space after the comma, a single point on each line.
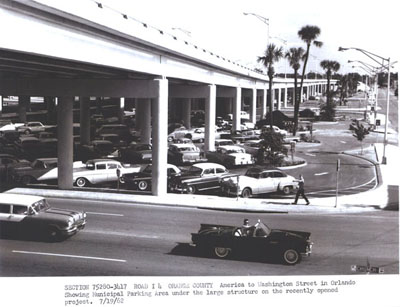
[60, 215]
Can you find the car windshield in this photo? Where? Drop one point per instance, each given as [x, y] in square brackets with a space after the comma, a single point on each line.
[40, 205]
[148, 169]
[182, 149]
[195, 170]
[236, 150]
[261, 230]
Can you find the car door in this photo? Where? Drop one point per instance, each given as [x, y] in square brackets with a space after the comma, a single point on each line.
[112, 171]
[266, 183]
[100, 174]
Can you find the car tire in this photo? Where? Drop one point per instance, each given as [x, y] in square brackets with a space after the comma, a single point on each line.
[222, 252]
[191, 189]
[81, 182]
[27, 131]
[286, 190]
[291, 256]
[143, 185]
[246, 193]
[53, 234]
[27, 180]
[170, 139]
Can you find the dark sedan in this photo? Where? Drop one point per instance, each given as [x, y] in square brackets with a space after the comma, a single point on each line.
[142, 180]
[136, 153]
[258, 240]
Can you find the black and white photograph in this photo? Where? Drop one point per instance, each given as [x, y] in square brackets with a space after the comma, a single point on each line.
[199, 152]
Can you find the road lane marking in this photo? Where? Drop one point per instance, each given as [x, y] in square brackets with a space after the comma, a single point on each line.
[68, 256]
[102, 213]
[343, 142]
[320, 174]
[346, 189]
[309, 154]
[122, 234]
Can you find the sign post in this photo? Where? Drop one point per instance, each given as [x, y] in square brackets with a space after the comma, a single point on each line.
[337, 180]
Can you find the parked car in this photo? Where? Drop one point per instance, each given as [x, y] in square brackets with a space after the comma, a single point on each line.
[142, 180]
[251, 147]
[102, 170]
[32, 127]
[241, 136]
[223, 142]
[136, 153]
[35, 171]
[200, 177]
[195, 134]
[230, 155]
[7, 163]
[28, 215]
[179, 154]
[259, 181]
[122, 130]
[9, 126]
[258, 240]
[276, 129]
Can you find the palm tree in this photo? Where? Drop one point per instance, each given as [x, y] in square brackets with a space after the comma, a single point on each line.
[272, 54]
[294, 56]
[329, 66]
[308, 34]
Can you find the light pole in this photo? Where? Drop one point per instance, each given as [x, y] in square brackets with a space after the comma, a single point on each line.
[263, 19]
[373, 57]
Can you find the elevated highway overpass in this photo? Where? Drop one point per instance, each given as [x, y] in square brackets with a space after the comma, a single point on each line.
[69, 49]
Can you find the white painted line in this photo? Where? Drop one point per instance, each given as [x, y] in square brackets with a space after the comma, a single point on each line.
[320, 174]
[343, 142]
[68, 256]
[102, 213]
[309, 154]
[121, 234]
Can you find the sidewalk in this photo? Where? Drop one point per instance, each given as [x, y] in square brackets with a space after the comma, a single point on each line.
[384, 196]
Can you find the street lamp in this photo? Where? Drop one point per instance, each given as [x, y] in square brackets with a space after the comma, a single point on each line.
[373, 57]
[263, 19]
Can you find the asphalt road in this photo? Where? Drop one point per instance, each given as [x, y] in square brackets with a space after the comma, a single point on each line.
[127, 240]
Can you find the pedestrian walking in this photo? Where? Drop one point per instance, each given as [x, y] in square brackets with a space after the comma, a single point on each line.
[300, 191]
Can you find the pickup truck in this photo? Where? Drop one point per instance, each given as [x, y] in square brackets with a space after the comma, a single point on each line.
[102, 170]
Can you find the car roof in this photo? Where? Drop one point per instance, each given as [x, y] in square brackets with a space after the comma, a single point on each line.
[204, 165]
[231, 147]
[18, 199]
[101, 160]
[181, 145]
[262, 170]
[47, 159]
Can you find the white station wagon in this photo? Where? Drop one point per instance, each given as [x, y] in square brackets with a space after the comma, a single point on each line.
[29, 215]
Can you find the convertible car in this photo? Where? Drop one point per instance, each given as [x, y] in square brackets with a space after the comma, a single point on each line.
[258, 240]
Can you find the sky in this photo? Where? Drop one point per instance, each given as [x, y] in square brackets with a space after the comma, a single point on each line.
[221, 27]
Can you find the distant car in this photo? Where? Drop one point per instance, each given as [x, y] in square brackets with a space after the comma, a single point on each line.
[142, 180]
[258, 240]
[223, 142]
[9, 126]
[122, 130]
[229, 156]
[195, 134]
[179, 154]
[252, 147]
[136, 153]
[276, 129]
[101, 170]
[240, 136]
[200, 177]
[29, 215]
[31, 127]
[258, 181]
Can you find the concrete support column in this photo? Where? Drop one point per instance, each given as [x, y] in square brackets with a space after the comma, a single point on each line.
[138, 114]
[301, 95]
[264, 104]
[210, 108]
[160, 134]
[84, 117]
[121, 110]
[187, 109]
[279, 98]
[253, 106]
[285, 97]
[23, 107]
[237, 102]
[1, 105]
[145, 121]
[65, 142]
